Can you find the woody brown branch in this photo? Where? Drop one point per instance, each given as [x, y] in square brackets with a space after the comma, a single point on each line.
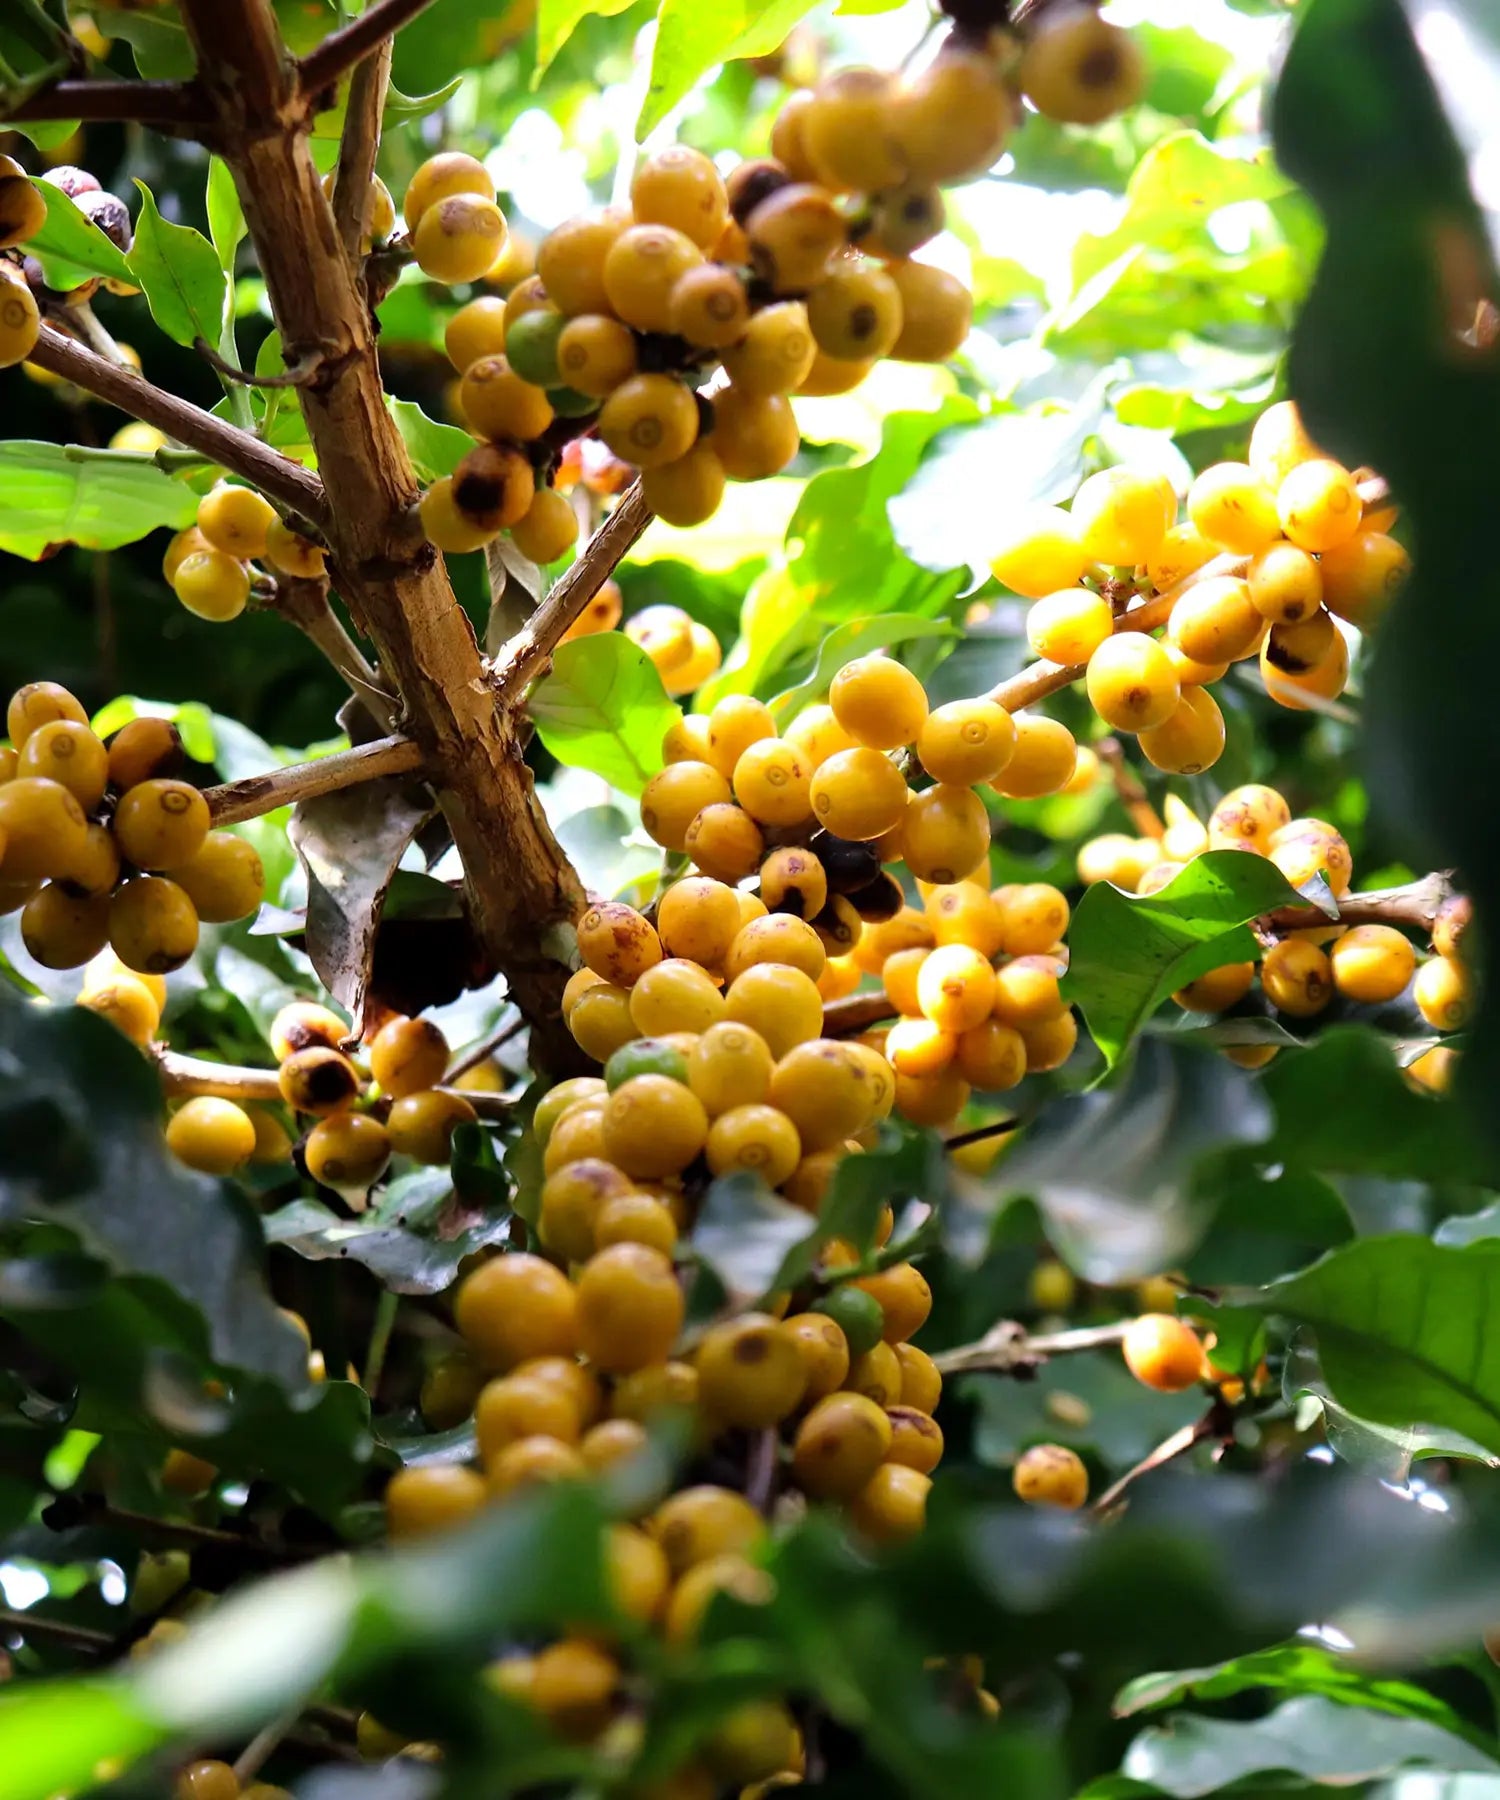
[520, 885]
[255, 795]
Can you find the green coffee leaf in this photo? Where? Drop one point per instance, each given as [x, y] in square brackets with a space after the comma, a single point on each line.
[1128, 953]
[71, 248]
[556, 21]
[691, 38]
[603, 708]
[60, 494]
[435, 449]
[180, 273]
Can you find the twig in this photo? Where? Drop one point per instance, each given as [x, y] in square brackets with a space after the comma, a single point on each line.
[761, 1465]
[358, 148]
[1008, 1346]
[293, 378]
[1132, 796]
[185, 1076]
[162, 104]
[77, 1637]
[981, 1132]
[485, 1048]
[83, 323]
[304, 601]
[380, 1340]
[845, 1018]
[1178, 1444]
[525, 657]
[250, 1761]
[341, 50]
[234, 801]
[1418, 903]
[233, 449]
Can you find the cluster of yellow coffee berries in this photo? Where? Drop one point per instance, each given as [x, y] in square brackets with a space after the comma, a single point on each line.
[363, 1106]
[100, 844]
[1272, 554]
[209, 566]
[1302, 972]
[676, 328]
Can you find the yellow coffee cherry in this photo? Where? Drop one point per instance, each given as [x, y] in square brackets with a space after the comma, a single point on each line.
[685, 492]
[517, 1406]
[1216, 621]
[532, 1462]
[152, 925]
[292, 553]
[778, 938]
[1297, 978]
[1078, 68]
[617, 942]
[1285, 584]
[693, 1595]
[824, 1351]
[775, 353]
[858, 794]
[1296, 650]
[949, 119]
[408, 1055]
[1306, 848]
[936, 312]
[1131, 683]
[1191, 739]
[730, 1066]
[127, 1001]
[450, 172]
[772, 782]
[826, 1090]
[643, 266]
[686, 740]
[698, 918]
[754, 435]
[839, 1445]
[649, 420]
[1300, 683]
[38, 704]
[1279, 443]
[1444, 993]
[514, 1307]
[570, 260]
[1319, 505]
[750, 1371]
[653, 1126]
[917, 1047]
[212, 586]
[966, 741]
[63, 930]
[1434, 1069]
[498, 404]
[211, 1135]
[878, 702]
[69, 754]
[1182, 552]
[680, 187]
[347, 1150]
[892, 1506]
[422, 1125]
[572, 1196]
[1049, 1044]
[1230, 506]
[1252, 811]
[904, 1298]
[1218, 989]
[475, 331]
[304, 1025]
[144, 748]
[855, 313]
[675, 995]
[20, 322]
[1372, 963]
[430, 1498]
[1361, 577]
[1033, 917]
[725, 843]
[1122, 516]
[446, 527]
[1041, 763]
[963, 913]
[955, 987]
[673, 799]
[547, 529]
[458, 238]
[1040, 552]
[709, 307]
[700, 1524]
[1069, 626]
[630, 1308]
[1163, 1353]
[792, 234]
[636, 1219]
[945, 833]
[161, 824]
[1051, 1475]
[845, 133]
[235, 520]
[781, 1004]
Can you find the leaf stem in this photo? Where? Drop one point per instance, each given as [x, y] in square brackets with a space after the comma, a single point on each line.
[486, 1047]
[342, 49]
[250, 1761]
[1132, 796]
[1178, 1444]
[380, 1340]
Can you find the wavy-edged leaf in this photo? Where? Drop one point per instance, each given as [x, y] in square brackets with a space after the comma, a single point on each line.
[70, 247]
[180, 273]
[435, 449]
[1408, 1331]
[603, 708]
[1128, 952]
[1311, 1737]
[57, 495]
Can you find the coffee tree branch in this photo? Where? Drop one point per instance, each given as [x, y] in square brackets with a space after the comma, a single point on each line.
[235, 801]
[233, 449]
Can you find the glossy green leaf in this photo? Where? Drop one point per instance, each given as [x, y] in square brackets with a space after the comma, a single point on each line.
[691, 39]
[1404, 1330]
[1311, 1737]
[603, 708]
[226, 217]
[745, 1233]
[57, 1735]
[71, 248]
[555, 23]
[55, 494]
[1128, 953]
[435, 449]
[158, 38]
[180, 274]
